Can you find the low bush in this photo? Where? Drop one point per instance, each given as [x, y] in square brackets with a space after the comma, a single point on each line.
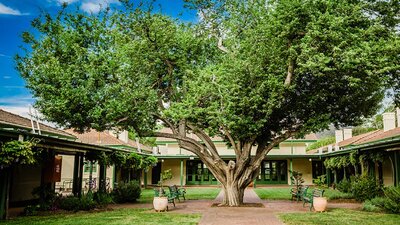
[72, 203]
[102, 199]
[320, 181]
[344, 186]
[392, 199]
[374, 205]
[31, 210]
[126, 192]
[365, 187]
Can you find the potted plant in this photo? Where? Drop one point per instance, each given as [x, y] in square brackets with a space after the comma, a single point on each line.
[160, 202]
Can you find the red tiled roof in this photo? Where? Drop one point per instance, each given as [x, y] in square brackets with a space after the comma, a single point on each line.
[7, 118]
[104, 138]
[381, 135]
[360, 138]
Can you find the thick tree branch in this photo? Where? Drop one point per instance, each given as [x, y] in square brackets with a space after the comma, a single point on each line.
[234, 145]
[289, 76]
[206, 139]
[167, 122]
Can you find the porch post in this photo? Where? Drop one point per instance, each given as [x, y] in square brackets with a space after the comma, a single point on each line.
[102, 178]
[4, 192]
[145, 178]
[328, 177]
[396, 168]
[181, 172]
[114, 176]
[291, 170]
[80, 175]
[75, 180]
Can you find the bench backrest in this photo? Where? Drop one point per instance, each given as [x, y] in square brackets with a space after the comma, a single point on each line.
[303, 191]
[318, 192]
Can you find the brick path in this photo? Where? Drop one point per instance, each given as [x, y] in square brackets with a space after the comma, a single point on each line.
[238, 216]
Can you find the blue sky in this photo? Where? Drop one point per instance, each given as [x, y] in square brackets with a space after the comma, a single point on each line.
[15, 17]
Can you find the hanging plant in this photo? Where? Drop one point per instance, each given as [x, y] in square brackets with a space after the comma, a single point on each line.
[19, 152]
[353, 157]
[148, 161]
[133, 161]
[376, 157]
[118, 158]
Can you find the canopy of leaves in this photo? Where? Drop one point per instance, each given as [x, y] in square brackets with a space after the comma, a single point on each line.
[123, 68]
[321, 142]
[131, 160]
[18, 153]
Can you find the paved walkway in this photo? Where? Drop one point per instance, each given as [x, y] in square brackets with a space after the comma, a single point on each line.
[240, 215]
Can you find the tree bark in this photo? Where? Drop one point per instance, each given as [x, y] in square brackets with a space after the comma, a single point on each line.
[234, 176]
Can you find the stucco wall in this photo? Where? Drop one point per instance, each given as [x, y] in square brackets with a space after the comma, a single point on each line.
[387, 172]
[175, 166]
[303, 166]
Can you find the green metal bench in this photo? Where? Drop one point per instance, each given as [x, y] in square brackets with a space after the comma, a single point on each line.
[298, 193]
[309, 198]
[171, 197]
[178, 192]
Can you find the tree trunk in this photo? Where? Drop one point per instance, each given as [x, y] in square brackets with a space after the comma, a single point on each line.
[233, 194]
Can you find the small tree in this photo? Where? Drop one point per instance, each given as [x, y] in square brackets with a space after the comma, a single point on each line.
[297, 179]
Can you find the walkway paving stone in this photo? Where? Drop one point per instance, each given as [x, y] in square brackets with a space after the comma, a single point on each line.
[242, 215]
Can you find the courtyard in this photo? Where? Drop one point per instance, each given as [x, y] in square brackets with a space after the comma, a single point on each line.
[199, 208]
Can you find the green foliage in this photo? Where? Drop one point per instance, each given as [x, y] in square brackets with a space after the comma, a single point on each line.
[112, 69]
[362, 130]
[320, 181]
[102, 199]
[321, 142]
[72, 203]
[126, 192]
[47, 197]
[344, 186]
[31, 210]
[374, 205]
[19, 152]
[392, 196]
[337, 162]
[365, 187]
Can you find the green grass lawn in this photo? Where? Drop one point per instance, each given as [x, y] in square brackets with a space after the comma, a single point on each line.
[191, 193]
[284, 193]
[340, 217]
[119, 216]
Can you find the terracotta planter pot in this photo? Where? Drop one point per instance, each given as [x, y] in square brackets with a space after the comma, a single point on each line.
[160, 203]
[320, 204]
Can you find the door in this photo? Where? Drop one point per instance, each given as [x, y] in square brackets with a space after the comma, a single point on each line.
[155, 173]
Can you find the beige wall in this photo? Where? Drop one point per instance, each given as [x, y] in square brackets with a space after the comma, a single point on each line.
[175, 166]
[303, 166]
[67, 173]
[24, 180]
[387, 172]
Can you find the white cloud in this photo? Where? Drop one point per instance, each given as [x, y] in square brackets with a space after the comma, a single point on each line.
[5, 10]
[3, 55]
[17, 104]
[94, 6]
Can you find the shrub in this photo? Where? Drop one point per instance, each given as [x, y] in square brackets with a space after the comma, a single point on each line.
[72, 203]
[344, 186]
[339, 195]
[47, 197]
[31, 210]
[102, 199]
[127, 192]
[392, 199]
[365, 187]
[371, 207]
[320, 181]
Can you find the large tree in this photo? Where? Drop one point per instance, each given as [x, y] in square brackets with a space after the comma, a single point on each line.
[252, 72]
